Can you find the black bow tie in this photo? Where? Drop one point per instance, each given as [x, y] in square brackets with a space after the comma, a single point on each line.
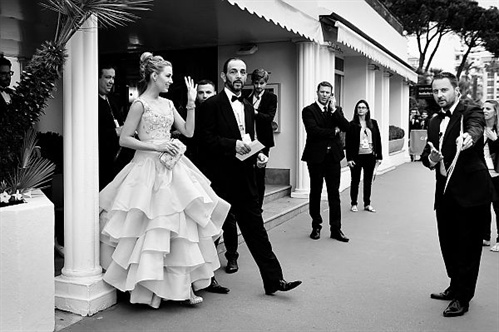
[234, 98]
[444, 114]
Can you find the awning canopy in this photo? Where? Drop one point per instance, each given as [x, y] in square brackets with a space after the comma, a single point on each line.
[284, 15]
[355, 39]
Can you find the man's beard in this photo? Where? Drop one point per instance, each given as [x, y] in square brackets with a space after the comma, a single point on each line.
[231, 87]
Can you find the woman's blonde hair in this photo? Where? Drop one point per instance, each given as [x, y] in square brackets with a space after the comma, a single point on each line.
[149, 64]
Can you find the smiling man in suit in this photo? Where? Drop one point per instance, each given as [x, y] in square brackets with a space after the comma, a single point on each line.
[461, 207]
[225, 119]
[323, 153]
[265, 104]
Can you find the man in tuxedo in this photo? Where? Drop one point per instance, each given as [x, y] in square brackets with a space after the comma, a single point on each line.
[205, 89]
[265, 104]
[462, 194]
[226, 124]
[112, 158]
[323, 153]
[5, 78]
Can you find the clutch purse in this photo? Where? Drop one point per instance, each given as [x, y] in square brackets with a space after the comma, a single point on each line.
[168, 160]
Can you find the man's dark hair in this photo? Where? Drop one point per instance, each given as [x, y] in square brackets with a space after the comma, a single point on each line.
[226, 64]
[105, 65]
[451, 77]
[259, 74]
[206, 82]
[325, 83]
[4, 61]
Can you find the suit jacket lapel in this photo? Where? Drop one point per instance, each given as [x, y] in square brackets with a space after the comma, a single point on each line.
[321, 119]
[228, 114]
[248, 119]
[454, 121]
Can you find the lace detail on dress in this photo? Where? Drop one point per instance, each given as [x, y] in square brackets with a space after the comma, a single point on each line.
[156, 125]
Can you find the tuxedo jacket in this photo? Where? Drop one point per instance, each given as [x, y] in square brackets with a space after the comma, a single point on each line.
[112, 157]
[321, 134]
[3, 105]
[263, 120]
[352, 141]
[470, 184]
[108, 140]
[216, 133]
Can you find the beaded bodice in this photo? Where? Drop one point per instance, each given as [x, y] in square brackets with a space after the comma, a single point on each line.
[156, 124]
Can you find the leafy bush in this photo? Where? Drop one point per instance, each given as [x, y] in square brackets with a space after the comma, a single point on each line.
[395, 132]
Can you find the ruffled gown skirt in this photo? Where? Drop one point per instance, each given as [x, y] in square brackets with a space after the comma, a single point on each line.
[158, 228]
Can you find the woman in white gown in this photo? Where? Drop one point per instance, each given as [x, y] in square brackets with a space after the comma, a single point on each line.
[158, 225]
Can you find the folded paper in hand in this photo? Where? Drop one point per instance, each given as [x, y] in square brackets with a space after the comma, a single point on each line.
[255, 146]
[168, 160]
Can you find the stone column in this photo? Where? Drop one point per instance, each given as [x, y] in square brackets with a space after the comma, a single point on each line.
[80, 289]
[315, 64]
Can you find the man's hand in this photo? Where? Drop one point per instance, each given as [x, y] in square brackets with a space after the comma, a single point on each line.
[242, 148]
[466, 140]
[331, 104]
[262, 160]
[435, 155]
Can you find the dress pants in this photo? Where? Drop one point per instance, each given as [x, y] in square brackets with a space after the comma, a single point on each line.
[260, 184]
[248, 215]
[365, 162]
[328, 170]
[460, 233]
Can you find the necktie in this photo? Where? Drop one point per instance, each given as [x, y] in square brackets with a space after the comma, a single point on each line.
[234, 98]
[325, 112]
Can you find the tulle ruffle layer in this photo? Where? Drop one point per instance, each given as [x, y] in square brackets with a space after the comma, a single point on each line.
[158, 228]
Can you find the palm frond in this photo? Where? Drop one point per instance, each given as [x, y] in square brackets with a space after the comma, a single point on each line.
[33, 172]
[73, 13]
[37, 176]
[28, 147]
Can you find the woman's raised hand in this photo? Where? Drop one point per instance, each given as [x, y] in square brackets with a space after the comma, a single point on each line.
[191, 89]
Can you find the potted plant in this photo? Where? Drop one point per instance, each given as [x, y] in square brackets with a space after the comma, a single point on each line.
[395, 138]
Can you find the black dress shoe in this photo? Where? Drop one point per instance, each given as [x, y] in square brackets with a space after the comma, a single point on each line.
[283, 286]
[215, 287]
[231, 266]
[316, 234]
[338, 235]
[456, 308]
[446, 295]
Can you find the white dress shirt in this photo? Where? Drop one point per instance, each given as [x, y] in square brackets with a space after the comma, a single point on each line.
[238, 109]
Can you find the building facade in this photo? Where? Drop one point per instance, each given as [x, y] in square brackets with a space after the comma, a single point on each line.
[360, 50]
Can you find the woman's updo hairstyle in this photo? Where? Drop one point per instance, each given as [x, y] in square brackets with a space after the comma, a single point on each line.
[149, 64]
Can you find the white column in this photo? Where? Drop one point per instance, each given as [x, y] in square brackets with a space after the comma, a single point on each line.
[315, 64]
[307, 52]
[80, 289]
[383, 113]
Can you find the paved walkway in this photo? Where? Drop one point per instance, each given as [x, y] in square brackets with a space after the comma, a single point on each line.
[380, 281]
